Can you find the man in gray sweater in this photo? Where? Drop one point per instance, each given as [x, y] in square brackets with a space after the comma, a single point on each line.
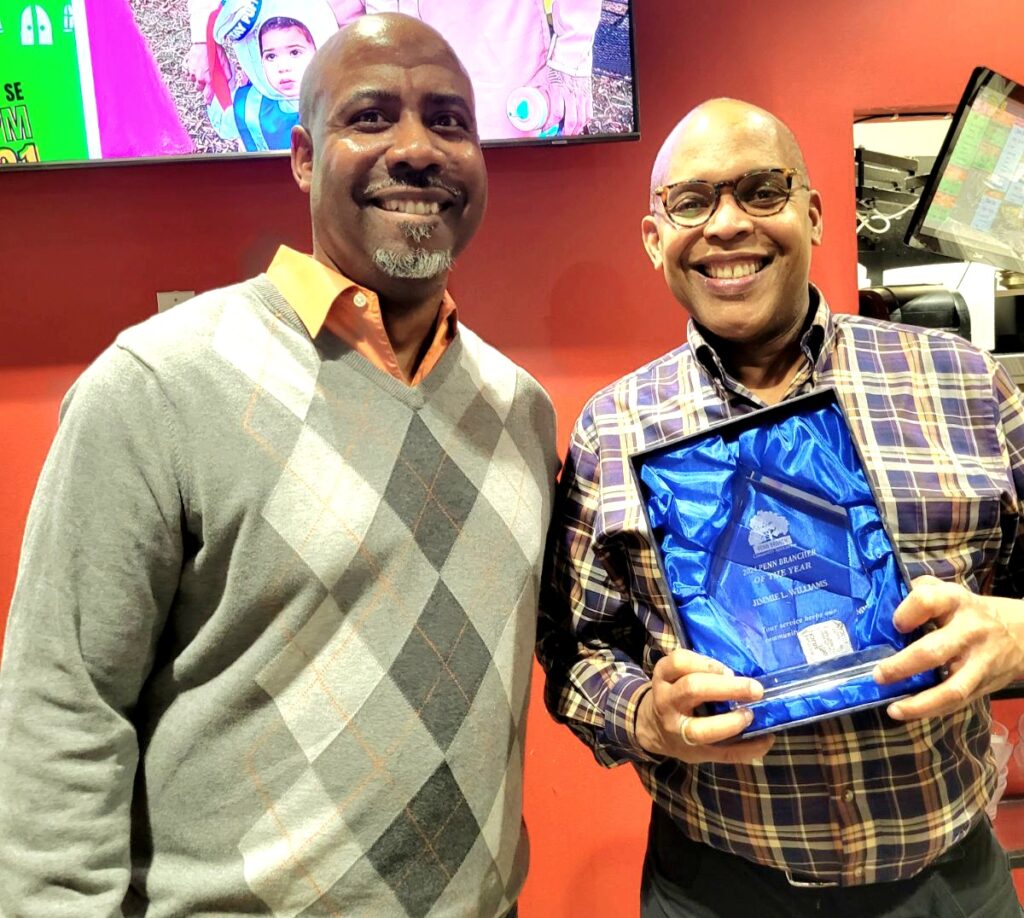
[270, 644]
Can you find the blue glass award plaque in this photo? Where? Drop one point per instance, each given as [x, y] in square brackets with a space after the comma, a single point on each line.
[777, 559]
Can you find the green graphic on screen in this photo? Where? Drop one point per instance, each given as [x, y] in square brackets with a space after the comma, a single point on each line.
[42, 116]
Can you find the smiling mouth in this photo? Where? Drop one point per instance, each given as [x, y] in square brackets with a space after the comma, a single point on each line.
[733, 270]
[412, 208]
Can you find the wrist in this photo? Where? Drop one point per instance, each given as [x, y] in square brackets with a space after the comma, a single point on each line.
[646, 732]
[623, 713]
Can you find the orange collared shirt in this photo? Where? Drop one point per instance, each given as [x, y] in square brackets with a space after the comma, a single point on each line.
[322, 297]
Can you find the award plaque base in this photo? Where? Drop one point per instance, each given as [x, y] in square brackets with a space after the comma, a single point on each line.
[777, 560]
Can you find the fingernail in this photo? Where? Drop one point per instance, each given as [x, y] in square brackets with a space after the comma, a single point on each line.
[727, 672]
[748, 715]
[896, 712]
[756, 689]
[877, 675]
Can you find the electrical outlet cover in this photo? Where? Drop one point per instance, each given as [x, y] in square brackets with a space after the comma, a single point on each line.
[165, 299]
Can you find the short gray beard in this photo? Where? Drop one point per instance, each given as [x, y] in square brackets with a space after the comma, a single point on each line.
[413, 264]
[417, 232]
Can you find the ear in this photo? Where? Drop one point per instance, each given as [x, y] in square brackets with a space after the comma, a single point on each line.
[814, 215]
[652, 240]
[302, 158]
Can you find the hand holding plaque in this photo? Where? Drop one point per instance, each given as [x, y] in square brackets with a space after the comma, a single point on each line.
[682, 682]
[777, 560]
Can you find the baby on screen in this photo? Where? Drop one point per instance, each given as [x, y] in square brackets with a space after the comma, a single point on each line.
[286, 48]
[274, 42]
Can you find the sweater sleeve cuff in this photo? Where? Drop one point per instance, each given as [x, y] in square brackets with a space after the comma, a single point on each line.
[573, 61]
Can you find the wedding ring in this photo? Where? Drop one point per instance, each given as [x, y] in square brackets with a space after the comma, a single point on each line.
[684, 735]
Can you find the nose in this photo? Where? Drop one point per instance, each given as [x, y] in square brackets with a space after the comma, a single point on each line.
[414, 145]
[729, 219]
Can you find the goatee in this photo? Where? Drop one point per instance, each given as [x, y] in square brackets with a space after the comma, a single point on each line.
[413, 264]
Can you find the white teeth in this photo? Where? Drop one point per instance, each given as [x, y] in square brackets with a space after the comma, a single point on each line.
[418, 208]
[732, 270]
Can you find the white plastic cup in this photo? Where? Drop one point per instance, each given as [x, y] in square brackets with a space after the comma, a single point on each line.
[527, 108]
[1002, 749]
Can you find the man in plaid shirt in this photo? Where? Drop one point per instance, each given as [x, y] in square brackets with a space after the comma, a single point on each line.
[879, 812]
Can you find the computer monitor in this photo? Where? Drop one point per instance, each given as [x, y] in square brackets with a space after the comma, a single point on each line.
[972, 206]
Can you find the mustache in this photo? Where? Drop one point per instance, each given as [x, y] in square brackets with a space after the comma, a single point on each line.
[411, 181]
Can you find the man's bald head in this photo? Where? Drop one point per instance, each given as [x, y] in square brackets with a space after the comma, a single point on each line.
[378, 31]
[711, 121]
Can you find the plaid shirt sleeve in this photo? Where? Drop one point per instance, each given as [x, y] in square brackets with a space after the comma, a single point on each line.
[1010, 577]
[589, 638]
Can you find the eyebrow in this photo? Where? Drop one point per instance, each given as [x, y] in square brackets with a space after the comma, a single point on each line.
[448, 100]
[755, 171]
[380, 96]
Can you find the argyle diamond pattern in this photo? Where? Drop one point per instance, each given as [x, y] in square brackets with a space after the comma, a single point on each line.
[405, 688]
[423, 848]
[429, 493]
[441, 666]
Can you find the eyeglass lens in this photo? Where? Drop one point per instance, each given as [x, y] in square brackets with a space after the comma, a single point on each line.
[760, 194]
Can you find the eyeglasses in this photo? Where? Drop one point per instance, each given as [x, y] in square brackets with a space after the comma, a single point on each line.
[760, 193]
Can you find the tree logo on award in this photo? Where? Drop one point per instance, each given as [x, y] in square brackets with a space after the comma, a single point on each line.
[769, 531]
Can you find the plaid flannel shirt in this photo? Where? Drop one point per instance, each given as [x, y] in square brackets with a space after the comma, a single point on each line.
[859, 798]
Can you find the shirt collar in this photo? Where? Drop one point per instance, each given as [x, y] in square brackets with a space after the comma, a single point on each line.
[814, 342]
[324, 298]
[310, 287]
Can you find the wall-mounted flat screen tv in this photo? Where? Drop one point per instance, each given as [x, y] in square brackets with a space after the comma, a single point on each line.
[972, 207]
[96, 81]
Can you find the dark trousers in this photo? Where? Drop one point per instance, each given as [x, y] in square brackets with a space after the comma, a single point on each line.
[686, 879]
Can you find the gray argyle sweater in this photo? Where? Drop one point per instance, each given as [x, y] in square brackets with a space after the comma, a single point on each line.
[270, 644]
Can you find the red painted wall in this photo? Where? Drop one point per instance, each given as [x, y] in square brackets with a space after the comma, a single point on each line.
[557, 278]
